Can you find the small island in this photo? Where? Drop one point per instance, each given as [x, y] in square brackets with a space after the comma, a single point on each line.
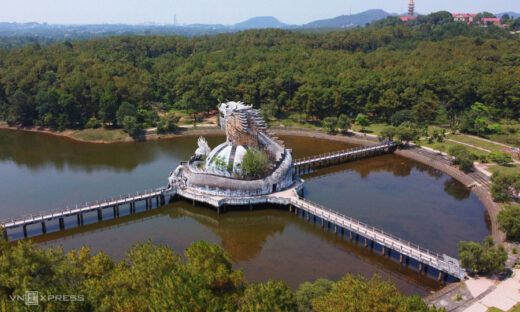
[251, 162]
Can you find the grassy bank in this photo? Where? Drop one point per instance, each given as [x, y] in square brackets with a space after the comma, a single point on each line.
[100, 134]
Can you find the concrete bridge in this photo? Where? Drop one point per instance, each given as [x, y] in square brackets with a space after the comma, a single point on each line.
[308, 163]
[78, 211]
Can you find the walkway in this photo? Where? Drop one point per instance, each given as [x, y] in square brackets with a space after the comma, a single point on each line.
[345, 154]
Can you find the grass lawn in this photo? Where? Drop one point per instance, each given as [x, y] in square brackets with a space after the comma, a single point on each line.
[375, 128]
[514, 309]
[507, 137]
[446, 145]
[476, 142]
[515, 169]
[99, 134]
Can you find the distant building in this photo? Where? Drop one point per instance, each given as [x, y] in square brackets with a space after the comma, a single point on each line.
[464, 17]
[410, 16]
[490, 21]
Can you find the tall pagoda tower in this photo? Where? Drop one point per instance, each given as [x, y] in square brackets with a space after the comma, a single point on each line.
[411, 7]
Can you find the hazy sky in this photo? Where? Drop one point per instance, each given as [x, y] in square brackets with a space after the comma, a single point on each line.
[220, 11]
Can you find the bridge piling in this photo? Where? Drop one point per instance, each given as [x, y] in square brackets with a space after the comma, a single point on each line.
[439, 278]
[25, 231]
[100, 214]
[383, 251]
[366, 242]
[62, 223]
[420, 266]
[44, 228]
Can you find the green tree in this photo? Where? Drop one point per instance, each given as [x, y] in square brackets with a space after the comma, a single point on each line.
[509, 220]
[270, 296]
[331, 124]
[400, 117]
[357, 294]
[126, 109]
[407, 132]
[485, 258]
[388, 133]
[343, 123]
[503, 185]
[463, 157]
[363, 121]
[168, 122]
[131, 126]
[307, 292]
[254, 162]
[108, 107]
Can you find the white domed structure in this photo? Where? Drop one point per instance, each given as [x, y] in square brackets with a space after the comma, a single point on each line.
[226, 160]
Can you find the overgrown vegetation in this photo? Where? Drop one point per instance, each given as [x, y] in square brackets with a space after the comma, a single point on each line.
[255, 162]
[154, 278]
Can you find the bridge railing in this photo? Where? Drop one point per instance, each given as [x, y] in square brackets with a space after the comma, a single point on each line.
[337, 215]
[345, 151]
[56, 212]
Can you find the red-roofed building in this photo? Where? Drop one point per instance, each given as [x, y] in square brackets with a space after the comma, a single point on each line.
[407, 18]
[491, 21]
[464, 17]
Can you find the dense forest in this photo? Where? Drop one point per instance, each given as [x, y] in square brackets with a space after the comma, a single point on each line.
[435, 68]
[155, 278]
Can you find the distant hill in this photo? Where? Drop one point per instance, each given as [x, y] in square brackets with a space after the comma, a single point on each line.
[260, 22]
[342, 21]
[512, 14]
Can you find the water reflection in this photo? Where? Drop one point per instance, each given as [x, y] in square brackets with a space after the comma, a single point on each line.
[38, 151]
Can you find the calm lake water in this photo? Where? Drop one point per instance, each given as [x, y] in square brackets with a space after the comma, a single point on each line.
[40, 172]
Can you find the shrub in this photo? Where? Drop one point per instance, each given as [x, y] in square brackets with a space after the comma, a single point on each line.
[254, 162]
[463, 157]
[93, 123]
[501, 158]
[485, 258]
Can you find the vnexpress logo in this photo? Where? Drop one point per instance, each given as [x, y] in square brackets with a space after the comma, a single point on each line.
[31, 298]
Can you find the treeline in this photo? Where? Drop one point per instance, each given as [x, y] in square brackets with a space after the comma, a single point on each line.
[154, 278]
[437, 69]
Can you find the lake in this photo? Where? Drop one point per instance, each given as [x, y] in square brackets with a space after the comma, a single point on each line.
[39, 172]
